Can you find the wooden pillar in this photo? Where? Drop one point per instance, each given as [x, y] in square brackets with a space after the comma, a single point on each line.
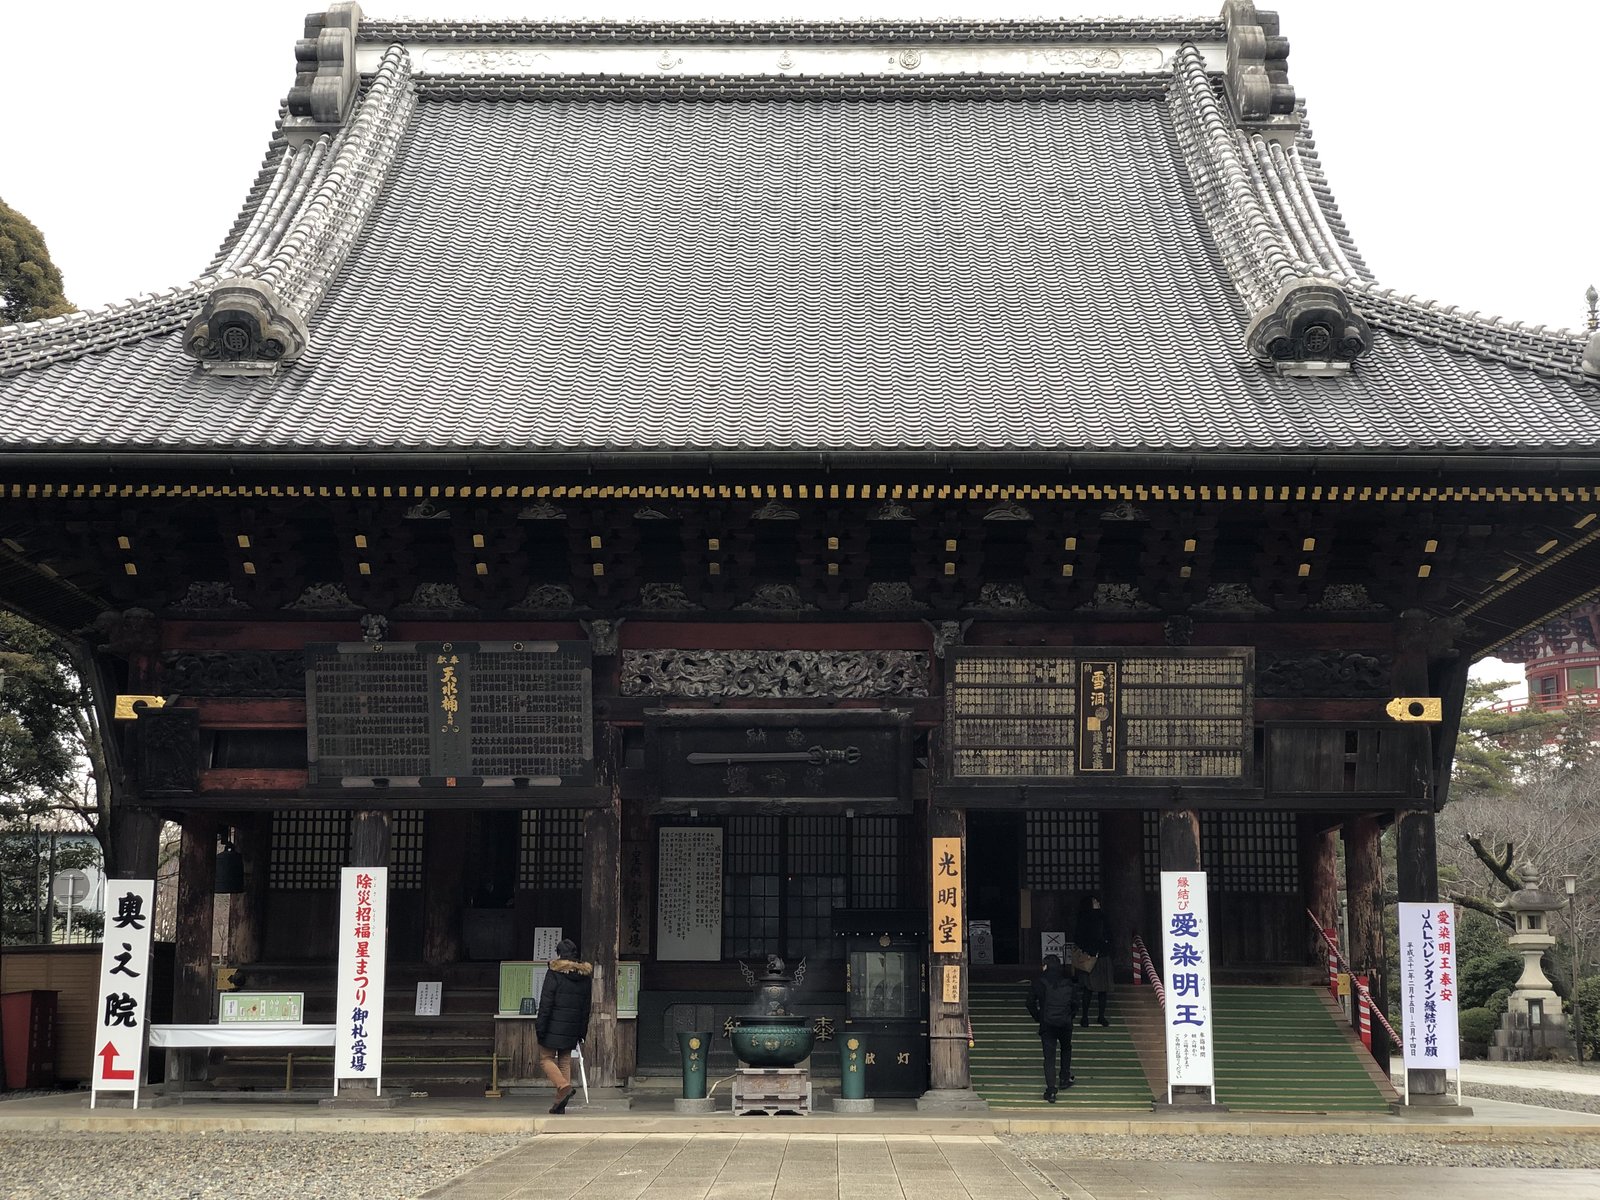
[135, 842]
[369, 838]
[1122, 879]
[1180, 840]
[1364, 948]
[950, 1074]
[247, 912]
[602, 915]
[192, 983]
[1416, 855]
[444, 885]
[1319, 881]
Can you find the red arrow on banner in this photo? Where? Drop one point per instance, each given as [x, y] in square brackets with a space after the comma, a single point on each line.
[108, 1053]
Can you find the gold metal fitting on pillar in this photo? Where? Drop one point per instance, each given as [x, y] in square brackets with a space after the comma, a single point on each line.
[1427, 709]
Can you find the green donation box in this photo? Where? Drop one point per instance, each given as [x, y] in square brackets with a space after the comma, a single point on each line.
[694, 1047]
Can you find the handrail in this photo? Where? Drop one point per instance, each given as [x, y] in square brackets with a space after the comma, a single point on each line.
[1355, 980]
[1142, 956]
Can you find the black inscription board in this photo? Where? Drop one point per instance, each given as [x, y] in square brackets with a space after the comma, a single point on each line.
[1100, 715]
[449, 714]
[772, 760]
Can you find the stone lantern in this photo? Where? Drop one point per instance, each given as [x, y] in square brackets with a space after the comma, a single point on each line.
[1533, 1019]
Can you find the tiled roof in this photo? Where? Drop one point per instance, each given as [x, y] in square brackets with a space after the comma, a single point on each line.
[525, 263]
[1174, 29]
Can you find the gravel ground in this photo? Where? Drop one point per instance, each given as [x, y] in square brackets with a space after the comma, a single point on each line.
[1543, 1097]
[261, 1166]
[1335, 1149]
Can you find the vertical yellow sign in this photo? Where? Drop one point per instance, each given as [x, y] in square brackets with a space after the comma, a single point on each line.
[947, 932]
[952, 985]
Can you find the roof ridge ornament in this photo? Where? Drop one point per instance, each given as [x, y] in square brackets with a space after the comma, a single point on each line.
[1309, 328]
[1257, 77]
[1591, 348]
[245, 328]
[325, 82]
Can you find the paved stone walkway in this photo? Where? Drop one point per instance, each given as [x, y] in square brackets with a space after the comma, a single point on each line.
[761, 1166]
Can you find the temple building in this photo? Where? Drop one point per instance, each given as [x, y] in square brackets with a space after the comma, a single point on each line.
[650, 479]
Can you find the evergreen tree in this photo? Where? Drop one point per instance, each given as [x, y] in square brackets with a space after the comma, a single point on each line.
[30, 284]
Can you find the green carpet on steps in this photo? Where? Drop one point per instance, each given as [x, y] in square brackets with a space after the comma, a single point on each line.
[1008, 1066]
[1278, 1049]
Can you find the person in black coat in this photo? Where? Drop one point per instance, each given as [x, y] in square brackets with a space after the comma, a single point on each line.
[563, 1019]
[1051, 1000]
[1093, 937]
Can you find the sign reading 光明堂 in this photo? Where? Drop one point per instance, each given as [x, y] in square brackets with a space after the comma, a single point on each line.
[946, 877]
[1186, 928]
[124, 974]
[1428, 986]
[363, 933]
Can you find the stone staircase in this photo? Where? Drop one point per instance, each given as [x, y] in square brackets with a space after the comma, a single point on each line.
[1290, 1049]
[446, 1055]
[1007, 1066]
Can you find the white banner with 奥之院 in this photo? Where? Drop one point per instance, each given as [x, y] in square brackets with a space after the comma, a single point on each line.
[363, 932]
[1428, 986]
[120, 1018]
[1186, 941]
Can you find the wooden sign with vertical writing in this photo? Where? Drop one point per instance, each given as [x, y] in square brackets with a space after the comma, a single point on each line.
[947, 895]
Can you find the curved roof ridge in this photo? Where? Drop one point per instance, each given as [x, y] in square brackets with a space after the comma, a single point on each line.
[1251, 242]
[306, 258]
[1556, 352]
[118, 323]
[1308, 166]
[621, 32]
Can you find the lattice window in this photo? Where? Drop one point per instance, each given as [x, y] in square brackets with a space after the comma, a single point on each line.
[309, 846]
[751, 900]
[816, 883]
[1063, 851]
[875, 862]
[405, 850]
[551, 852]
[1250, 851]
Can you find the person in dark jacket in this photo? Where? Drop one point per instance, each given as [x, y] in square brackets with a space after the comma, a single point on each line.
[1093, 937]
[1051, 999]
[563, 1019]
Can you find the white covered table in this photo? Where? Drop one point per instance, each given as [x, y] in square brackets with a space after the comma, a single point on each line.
[265, 1034]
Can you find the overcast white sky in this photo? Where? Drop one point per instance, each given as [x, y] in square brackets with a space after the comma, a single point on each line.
[1459, 138]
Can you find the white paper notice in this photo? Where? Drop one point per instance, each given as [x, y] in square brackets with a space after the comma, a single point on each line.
[689, 895]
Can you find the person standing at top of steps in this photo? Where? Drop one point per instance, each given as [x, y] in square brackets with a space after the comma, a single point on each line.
[1051, 1000]
[1090, 960]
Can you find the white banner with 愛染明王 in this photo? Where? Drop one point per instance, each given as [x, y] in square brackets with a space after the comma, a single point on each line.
[1428, 986]
[689, 895]
[1186, 930]
[120, 1017]
[363, 933]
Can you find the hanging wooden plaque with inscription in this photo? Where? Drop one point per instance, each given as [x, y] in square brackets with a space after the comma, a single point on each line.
[449, 714]
[1100, 716]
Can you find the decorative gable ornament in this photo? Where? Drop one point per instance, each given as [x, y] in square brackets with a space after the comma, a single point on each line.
[1257, 75]
[325, 82]
[1591, 356]
[245, 328]
[1309, 328]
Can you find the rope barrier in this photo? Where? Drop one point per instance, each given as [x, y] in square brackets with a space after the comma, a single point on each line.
[1357, 982]
[1142, 956]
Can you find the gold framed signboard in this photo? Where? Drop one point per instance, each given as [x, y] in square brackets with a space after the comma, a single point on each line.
[1100, 715]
